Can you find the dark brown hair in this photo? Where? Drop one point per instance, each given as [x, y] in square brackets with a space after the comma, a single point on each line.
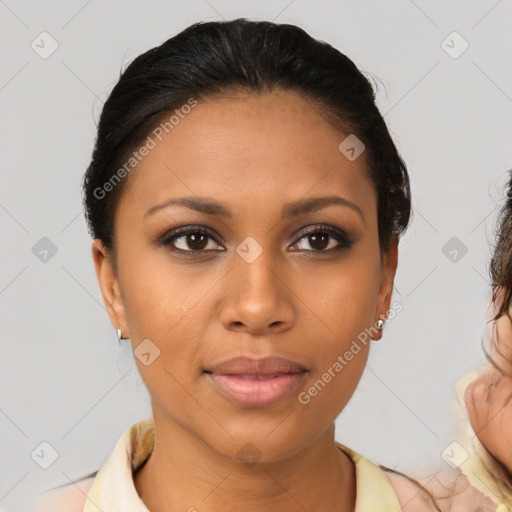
[249, 57]
[501, 274]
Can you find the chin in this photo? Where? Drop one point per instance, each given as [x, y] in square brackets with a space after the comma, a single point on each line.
[256, 446]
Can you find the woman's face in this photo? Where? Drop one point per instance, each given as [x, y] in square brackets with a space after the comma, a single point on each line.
[489, 399]
[258, 284]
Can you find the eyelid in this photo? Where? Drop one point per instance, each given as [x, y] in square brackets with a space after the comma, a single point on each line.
[323, 228]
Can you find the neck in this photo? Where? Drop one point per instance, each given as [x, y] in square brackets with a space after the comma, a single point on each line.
[185, 474]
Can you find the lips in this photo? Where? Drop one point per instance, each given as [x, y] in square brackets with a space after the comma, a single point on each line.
[256, 382]
[246, 366]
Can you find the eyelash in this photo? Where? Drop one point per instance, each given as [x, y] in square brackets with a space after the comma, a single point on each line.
[340, 236]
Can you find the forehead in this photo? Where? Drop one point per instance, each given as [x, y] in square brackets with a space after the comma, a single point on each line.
[277, 146]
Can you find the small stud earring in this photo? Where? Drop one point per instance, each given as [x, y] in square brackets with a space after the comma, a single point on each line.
[380, 324]
[120, 336]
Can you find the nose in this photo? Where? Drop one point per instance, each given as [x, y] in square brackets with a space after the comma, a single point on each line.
[256, 297]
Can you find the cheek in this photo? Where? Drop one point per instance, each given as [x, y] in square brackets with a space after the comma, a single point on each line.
[159, 295]
[169, 307]
[344, 295]
[348, 322]
[344, 316]
[496, 436]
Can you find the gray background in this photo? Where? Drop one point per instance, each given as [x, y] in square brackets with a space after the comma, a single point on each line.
[61, 375]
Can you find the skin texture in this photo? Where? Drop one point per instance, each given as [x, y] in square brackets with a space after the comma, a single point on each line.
[489, 399]
[253, 154]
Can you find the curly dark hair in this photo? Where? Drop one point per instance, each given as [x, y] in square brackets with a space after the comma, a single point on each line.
[500, 271]
[247, 57]
[501, 262]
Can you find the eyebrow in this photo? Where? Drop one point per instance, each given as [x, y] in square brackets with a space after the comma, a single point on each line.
[292, 209]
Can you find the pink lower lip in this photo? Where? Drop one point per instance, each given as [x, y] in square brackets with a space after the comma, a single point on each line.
[250, 391]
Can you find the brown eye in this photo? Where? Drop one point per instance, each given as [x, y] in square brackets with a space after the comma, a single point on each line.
[191, 239]
[195, 241]
[319, 241]
[323, 239]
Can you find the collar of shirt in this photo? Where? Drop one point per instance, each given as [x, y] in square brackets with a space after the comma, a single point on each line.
[113, 488]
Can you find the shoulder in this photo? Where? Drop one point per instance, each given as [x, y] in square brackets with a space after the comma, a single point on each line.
[412, 497]
[382, 489]
[68, 498]
[450, 491]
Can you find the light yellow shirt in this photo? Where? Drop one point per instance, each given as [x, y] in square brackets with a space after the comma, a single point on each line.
[113, 489]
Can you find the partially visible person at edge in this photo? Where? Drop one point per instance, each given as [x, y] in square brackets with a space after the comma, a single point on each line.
[246, 201]
[485, 397]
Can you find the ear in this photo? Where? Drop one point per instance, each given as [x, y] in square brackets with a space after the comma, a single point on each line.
[109, 286]
[389, 263]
